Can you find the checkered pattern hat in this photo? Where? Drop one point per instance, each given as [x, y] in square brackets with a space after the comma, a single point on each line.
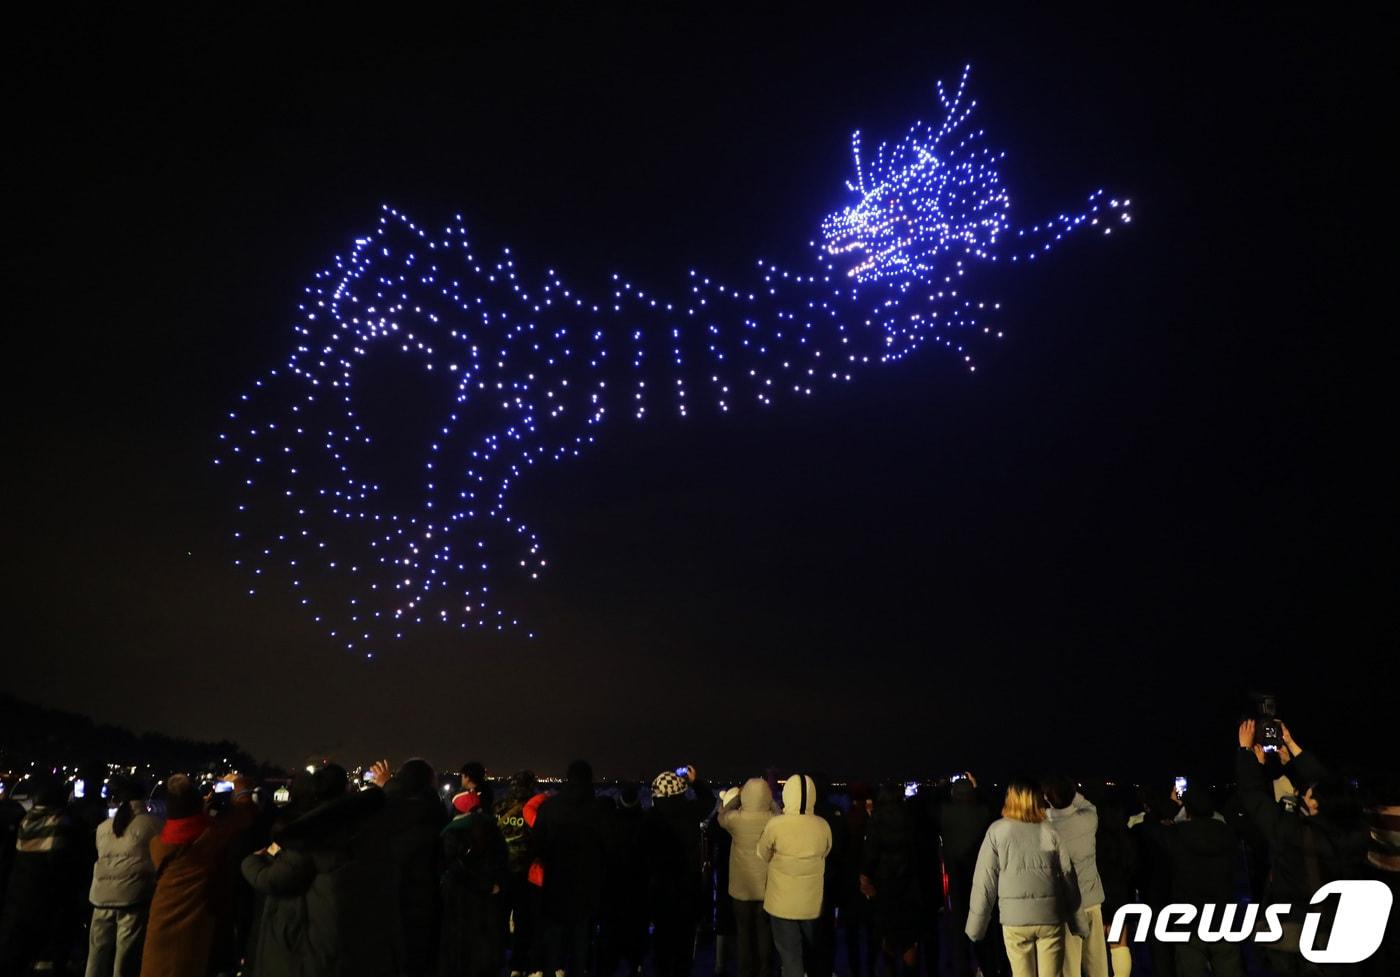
[668, 784]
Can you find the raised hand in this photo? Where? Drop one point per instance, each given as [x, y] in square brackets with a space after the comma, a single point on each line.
[1246, 733]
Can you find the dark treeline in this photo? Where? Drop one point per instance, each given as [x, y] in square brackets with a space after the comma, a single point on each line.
[32, 733]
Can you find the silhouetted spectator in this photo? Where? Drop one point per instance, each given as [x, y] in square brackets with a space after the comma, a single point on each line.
[40, 918]
[474, 872]
[857, 915]
[327, 882]
[414, 816]
[963, 821]
[1324, 840]
[568, 835]
[890, 879]
[520, 900]
[671, 842]
[624, 916]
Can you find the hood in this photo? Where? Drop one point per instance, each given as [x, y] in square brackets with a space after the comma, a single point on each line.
[799, 794]
[756, 795]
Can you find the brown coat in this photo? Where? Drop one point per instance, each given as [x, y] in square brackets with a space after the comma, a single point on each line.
[193, 903]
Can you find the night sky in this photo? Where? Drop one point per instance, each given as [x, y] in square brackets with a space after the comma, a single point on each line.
[1167, 486]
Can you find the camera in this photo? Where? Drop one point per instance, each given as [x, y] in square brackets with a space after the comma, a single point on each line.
[1268, 730]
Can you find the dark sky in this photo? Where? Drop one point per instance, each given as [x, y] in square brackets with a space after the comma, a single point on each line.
[1166, 487]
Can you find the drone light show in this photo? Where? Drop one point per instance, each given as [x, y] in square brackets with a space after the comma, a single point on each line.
[534, 369]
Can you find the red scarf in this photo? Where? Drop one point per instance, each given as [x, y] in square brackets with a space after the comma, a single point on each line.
[182, 831]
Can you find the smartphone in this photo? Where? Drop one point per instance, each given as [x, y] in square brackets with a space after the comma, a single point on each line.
[1270, 747]
[111, 812]
[911, 788]
[281, 796]
[79, 788]
[682, 771]
[222, 786]
[368, 775]
[958, 776]
[1180, 786]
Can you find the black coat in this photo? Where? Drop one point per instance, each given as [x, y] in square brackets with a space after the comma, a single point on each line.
[962, 826]
[473, 866]
[1203, 857]
[671, 845]
[1115, 854]
[328, 895]
[414, 822]
[569, 837]
[625, 879]
[892, 863]
[1304, 851]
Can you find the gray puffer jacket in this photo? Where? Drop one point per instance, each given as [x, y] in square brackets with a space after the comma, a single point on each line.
[1078, 825]
[1025, 868]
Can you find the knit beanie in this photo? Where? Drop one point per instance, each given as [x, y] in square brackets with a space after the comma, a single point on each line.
[668, 784]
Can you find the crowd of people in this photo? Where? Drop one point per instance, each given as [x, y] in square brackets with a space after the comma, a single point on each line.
[385, 876]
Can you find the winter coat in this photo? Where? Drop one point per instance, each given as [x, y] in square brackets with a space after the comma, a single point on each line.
[473, 867]
[625, 880]
[43, 897]
[192, 905]
[510, 821]
[1078, 826]
[1024, 869]
[962, 824]
[1203, 856]
[329, 895]
[744, 818]
[891, 863]
[414, 822]
[1304, 852]
[671, 844]
[1115, 855]
[795, 845]
[568, 834]
[124, 874]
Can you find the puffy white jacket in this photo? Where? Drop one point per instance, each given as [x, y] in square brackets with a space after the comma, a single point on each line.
[744, 817]
[124, 874]
[795, 845]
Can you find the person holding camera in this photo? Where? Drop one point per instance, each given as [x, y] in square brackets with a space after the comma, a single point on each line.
[1323, 839]
[744, 816]
[671, 844]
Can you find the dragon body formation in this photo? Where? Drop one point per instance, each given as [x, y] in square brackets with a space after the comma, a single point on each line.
[535, 370]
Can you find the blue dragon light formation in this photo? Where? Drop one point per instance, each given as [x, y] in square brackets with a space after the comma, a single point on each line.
[534, 369]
